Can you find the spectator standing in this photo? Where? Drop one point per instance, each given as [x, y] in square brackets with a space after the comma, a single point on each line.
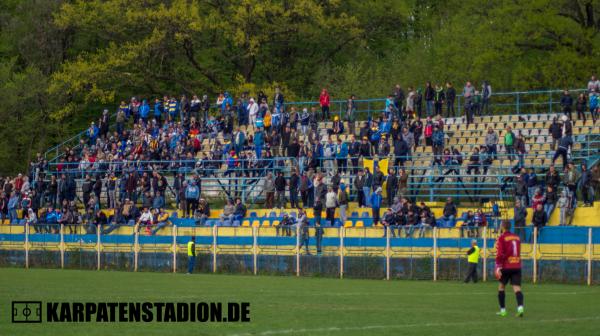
[564, 207]
[555, 131]
[571, 177]
[550, 200]
[586, 187]
[294, 185]
[520, 217]
[439, 98]
[351, 114]
[330, 205]
[192, 194]
[280, 184]
[391, 186]
[429, 96]
[486, 95]
[450, 98]
[580, 107]
[324, 103]
[566, 103]
[491, 143]
[376, 200]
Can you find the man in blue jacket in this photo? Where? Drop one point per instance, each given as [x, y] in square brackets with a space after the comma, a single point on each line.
[144, 111]
[341, 154]
[376, 199]
[258, 142]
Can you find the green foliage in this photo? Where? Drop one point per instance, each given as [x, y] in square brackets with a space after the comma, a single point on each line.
[63, 61]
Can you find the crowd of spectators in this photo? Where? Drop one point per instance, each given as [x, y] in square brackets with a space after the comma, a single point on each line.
[157, 151]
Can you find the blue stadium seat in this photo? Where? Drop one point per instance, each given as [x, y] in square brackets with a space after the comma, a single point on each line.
[253, 214]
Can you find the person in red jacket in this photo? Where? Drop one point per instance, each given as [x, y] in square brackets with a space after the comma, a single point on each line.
[324, 102]
[508, 267]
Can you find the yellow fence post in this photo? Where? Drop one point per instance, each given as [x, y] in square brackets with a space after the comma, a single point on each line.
[62, 246]
[136, 248]
[214, 248]
[387, 253]
[341, 251]
[98, 247]
[435, 266]
[534, 251]
[589, 265]
[485, 233]
[174, 248]
[26, 245]
[255, 249]
[298, 250]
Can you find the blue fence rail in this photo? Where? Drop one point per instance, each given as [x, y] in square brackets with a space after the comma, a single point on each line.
[553, 254]
[517, 102]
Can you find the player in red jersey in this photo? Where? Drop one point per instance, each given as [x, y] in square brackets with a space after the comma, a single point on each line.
[508, 267]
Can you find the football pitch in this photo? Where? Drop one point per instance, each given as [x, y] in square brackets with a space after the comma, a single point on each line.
[304, 306]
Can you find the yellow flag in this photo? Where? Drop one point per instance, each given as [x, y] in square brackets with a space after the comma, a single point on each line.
[368, 163]
[383, 166]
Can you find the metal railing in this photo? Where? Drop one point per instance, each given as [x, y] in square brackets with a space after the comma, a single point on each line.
[553, 254]
[518, 102]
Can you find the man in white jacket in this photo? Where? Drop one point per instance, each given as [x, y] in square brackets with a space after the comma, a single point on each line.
[252, 111]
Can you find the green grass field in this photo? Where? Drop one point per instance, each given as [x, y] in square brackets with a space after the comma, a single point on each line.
[306, 306]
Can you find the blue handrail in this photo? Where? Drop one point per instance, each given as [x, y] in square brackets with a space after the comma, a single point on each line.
[376, 105]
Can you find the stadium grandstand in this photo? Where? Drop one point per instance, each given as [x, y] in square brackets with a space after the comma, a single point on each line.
[432, 164]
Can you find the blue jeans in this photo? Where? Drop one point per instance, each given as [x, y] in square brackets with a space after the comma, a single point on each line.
[408, 230]
[258, 150]
[422, 228]
[113, 226]
[159, 226]
[448, 221]
[367, 194]
[12, 215]
[548, 208]
[191, 263]
[530, 193]
[429, 107]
